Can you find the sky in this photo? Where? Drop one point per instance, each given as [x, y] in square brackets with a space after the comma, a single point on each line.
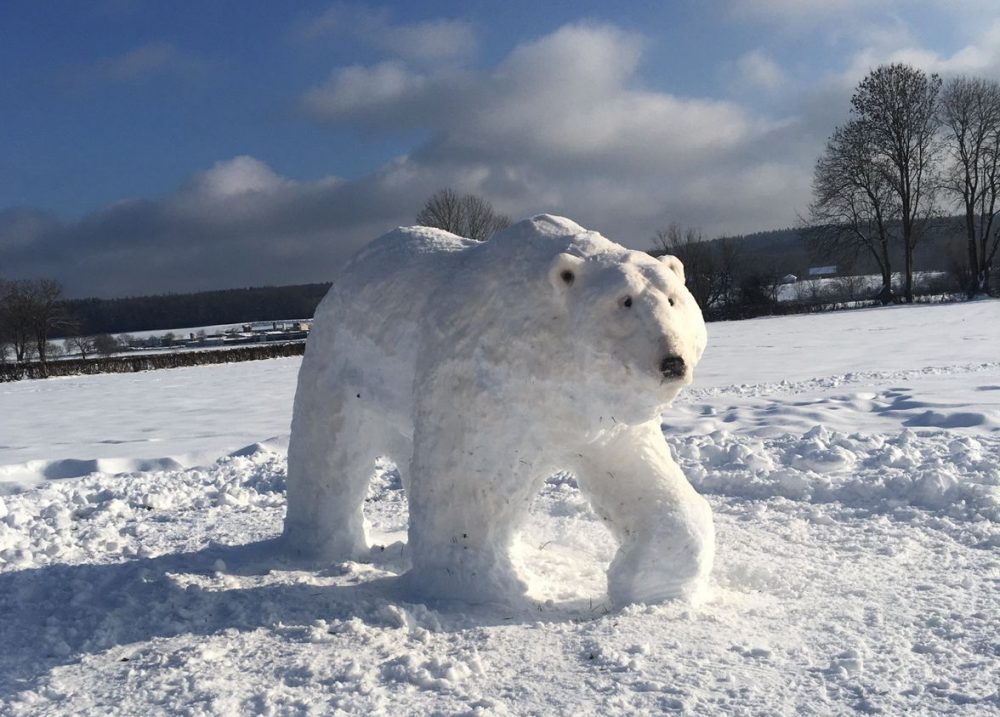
[154, 147]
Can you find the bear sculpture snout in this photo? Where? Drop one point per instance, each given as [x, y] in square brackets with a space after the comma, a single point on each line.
[673, 367]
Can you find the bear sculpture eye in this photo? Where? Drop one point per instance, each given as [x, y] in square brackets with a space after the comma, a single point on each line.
[671, 301]
[567, 276]
[627, 302]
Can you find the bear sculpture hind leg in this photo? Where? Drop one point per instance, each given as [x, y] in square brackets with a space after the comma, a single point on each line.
[331, 457]
[664, 528]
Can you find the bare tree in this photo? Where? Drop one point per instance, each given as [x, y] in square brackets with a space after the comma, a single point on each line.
[106, 344]
[15, 316]
[853, 202]
[5, 331]
[481, 220]
[665, 239]
[442, 211]
[47, 315]
[468, 216]
[709, 266]
[82, 345]
[970, 114]
[897, 107]
[758, 290]
[30, 310]
[848, 288]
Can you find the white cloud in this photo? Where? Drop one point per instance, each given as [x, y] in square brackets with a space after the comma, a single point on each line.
[240, 175]
[980, 56]
[757, 71]
[430, 41]
[882, 31]
[568, 98]
[138, 65]
[357, 91]
[433, 41]
[801, 14]
[565, 123]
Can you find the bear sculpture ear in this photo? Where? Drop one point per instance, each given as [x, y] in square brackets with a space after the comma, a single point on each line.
[565, 270]
[674, 264]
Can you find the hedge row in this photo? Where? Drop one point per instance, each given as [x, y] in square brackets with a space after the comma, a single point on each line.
[149, 362]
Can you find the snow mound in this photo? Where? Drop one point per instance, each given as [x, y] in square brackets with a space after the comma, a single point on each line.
[275, 444]
[954, 475]
[103, 516]
[21, 476]
[24, 476]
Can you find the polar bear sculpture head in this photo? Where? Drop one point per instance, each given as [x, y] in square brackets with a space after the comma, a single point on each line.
[634, 331]
[649, 324]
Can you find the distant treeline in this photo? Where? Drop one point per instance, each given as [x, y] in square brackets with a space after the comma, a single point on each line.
[790, 251]
[207, 308]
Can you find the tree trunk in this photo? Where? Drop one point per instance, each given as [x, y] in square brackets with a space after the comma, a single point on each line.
[975, 277]
[909, 275]
[989, 242]
[885, 296]
[41, 344]
[907, 253]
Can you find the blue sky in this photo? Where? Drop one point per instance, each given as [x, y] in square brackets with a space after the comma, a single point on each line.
[163, 146]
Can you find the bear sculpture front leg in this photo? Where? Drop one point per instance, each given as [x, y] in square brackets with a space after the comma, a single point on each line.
[461, 527]
[468, 495]
[664, 528]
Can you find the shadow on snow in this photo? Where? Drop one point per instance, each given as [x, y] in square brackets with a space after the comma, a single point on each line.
[57, 614]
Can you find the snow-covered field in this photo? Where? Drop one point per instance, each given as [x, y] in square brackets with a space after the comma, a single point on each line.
[852, 461]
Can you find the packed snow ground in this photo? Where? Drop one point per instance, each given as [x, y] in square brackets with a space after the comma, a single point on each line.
[852, 461]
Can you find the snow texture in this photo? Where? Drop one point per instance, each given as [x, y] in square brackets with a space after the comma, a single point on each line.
[562, 347]
[857, 570]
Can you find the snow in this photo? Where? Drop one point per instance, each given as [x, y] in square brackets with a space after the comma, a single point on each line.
[66, 427]
[851, 287]
[852, 461]
[561, 349]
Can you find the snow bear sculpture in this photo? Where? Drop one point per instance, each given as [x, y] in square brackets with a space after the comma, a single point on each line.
[481, 369]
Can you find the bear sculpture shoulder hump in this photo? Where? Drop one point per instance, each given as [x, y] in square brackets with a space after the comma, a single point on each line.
[482, 368]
